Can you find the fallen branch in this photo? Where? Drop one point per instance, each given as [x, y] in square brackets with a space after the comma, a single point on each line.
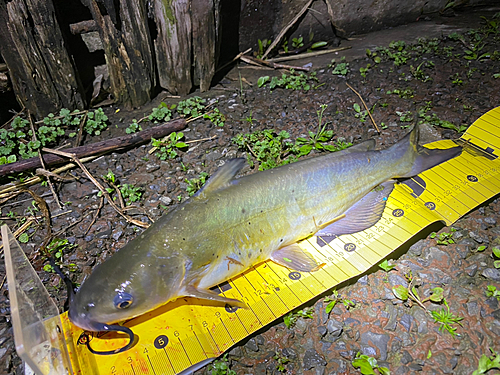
[259, 62]
[366, 107]
[286, 28]
[234, 59]
[308, 54]
[96, 148]
[98, 185]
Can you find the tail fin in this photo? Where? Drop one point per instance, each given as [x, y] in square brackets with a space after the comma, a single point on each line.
[423, 158]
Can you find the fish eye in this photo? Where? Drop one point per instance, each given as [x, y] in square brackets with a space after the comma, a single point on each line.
[123, 300]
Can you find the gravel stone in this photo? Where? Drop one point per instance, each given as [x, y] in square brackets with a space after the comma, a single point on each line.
[406, 357]
[334, 327]
[491, 273]
[417, 248]
[313, 359]
[406, 321]
[379, 340]
[252, 345]
[471, 270]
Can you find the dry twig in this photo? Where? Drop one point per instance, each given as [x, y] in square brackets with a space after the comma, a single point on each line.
[286, 28]
[308, 54]
[98, 185]
[366, 107]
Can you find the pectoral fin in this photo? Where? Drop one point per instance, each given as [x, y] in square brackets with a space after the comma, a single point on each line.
[193, 291]
[292, 256]
[362, 215]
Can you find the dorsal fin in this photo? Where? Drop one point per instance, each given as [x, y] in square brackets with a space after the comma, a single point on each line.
[222, 177]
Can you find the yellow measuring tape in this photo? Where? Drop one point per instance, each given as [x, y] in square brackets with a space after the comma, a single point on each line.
[189, 333]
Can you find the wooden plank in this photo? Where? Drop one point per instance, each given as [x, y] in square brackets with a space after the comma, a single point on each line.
[173, 45]
[42, 72]
[127, 48]
[204, 42]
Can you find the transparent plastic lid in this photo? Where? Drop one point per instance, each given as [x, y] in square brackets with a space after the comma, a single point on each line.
[36, 322]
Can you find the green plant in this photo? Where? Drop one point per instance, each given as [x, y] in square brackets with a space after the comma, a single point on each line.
[342, 68]
[404, 94]
[281, 362]
[361, 115]
[365, 70]
[196, 184]
[130, 193]
[374, 56]
[487, 363]
[396, 52]
[262, 44]
[249, 118]
[216, 117]
[419, 73]
[191, 107]
[294, 81]
[367, 365]
[221, 367]
[133, 127]
[493, 292]
[456, 79]
[168, 146]
[444, 317]
[405, 116]
[297, 42]
[444, 238]
[496, 256]
[291, 318]
[434, 120]
[316, 140]
[386, 266]
[270, 149]
[96, 122]
[161, 113]
[56, 248]
[336, 298]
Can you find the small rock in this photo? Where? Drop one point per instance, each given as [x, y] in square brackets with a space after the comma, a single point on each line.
[252, 345]
[434, 253]
[2, 352]
[472, 308]
[334, 327]
[289, 353]
[393, 315]
[406, 321]
[406, 357]
[395, 279]
[417, 248]
[322, 330]
[415, 367]
[377, 339]
[165, 200]
[491, 273]
[471, 270]
[313, 359]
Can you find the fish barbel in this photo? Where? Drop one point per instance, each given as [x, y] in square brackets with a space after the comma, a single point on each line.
[234, 223]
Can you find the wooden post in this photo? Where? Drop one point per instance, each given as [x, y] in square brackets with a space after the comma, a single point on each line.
[173, 45]
[127, 47]
[41, 70]
[204, 41]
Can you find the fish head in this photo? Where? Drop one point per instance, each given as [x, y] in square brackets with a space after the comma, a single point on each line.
[128, 284]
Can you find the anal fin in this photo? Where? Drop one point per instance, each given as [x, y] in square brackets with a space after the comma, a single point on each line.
[293, 257]
[362, 215]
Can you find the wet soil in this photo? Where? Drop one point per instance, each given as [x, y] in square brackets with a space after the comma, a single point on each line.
[401, 336]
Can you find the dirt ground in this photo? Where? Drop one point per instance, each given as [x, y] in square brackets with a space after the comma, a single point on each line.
[453, 73]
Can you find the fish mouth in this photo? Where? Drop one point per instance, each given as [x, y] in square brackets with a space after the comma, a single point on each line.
[83, 322]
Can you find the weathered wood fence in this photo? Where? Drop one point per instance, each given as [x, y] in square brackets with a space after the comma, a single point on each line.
[149, 44]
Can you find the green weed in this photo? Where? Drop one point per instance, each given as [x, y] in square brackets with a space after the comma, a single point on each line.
[130, 193]
[386, 266]
[196, 184]
[281, 362]
[487, 363]
[56, 248]
[293, 81]
[444, 238]
[493, 292]
[444, 317]
[291, 318]
[160, 114]
[133, 127]
[336, 298]
[221, 367]
[216, 117]
[368, 365]
[167, 147]
[191, 107]
[341, 68]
